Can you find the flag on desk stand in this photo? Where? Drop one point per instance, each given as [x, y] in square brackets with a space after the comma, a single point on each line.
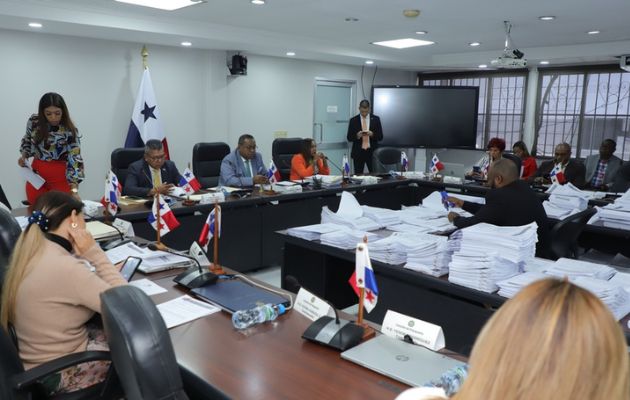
[210, 227]
[273, 174]
[146, 123]
[346, 165]
[557, 175]
[113, 190]
[363, 277]
[168, 222]
[436, 165]
[404, 161]
[189, 182]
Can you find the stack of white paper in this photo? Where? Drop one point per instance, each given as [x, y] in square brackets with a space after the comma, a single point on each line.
[381, 216]
[313, 232]
[610, 293]
[409, 229]
[392, 249]
[537, 264]
[509, 287]
[349, 214]
[565, 200]
[566, 267]
[347, 239]
[430, 256]
[612, 217]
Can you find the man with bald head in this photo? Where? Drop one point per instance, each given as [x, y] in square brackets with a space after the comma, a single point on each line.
[561, 169]
[510, 202]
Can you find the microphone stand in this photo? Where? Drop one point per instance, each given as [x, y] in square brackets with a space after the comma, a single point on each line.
[193, 277]
[215, 267]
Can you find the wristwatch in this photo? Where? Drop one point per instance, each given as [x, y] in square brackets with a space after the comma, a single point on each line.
[74, 190]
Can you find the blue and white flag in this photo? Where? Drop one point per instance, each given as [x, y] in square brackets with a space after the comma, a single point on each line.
[346, 165]
[112, 193]
[363, 277]
[404, 161]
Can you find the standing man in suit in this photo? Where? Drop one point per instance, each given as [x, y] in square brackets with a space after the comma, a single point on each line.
[153, 174]
[601, 169]
[364, 131]
[511, 202]
[244, 166]
[561, 169]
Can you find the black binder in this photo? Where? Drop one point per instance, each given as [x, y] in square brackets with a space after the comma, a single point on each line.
[232, 295]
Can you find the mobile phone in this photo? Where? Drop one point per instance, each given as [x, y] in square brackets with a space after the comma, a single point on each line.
[476, 168]
[130, 267]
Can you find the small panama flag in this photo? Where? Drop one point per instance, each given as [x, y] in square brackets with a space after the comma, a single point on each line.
[113, 190]
[404, 161]
[346, 165]
[557, 175]
[189, 182]
[436, 164]
[210, 227]
[168, 222]
[363, 277]
[273, 174]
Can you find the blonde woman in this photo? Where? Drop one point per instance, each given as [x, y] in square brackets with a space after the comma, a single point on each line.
[552, 341]
[51, 290]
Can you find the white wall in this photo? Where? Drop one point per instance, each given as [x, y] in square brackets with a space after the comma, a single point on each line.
[198, 101]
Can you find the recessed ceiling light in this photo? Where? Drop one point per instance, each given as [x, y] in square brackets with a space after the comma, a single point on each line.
[186, 44]
[369, 62]
[474, 44]
[592, 32]
[421, 32]
[547, 18]
[483, 66]
[163, 5]
[411, 13]
[544, 62]
[290, 53]
[35, 25]
[351, 19]
[258, 2]
[403, 43]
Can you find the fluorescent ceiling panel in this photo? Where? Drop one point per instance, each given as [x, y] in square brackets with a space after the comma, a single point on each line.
[168, 5]
[403, 43]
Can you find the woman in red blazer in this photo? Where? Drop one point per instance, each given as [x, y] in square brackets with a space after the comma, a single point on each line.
[527, 161]
[308, 162]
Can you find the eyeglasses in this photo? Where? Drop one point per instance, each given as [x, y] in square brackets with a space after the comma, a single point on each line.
[157, 158]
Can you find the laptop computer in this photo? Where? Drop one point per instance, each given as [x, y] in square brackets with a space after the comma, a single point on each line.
[404, 362]
[453, 169]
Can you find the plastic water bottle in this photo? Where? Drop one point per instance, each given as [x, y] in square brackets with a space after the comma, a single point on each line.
[245, 318]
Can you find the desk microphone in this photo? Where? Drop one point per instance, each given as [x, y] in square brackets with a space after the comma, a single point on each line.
[193, 277]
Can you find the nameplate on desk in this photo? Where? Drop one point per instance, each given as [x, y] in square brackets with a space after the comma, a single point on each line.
[311, 306]
[452, 179]
[124, 226]
[211, 198]
[400, 326]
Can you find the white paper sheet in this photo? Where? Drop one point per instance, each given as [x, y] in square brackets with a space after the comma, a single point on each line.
[184, 309]
[148, 287]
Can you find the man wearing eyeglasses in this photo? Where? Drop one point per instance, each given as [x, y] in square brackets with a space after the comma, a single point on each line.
[562, 169]
[244, 166]
[153, 174]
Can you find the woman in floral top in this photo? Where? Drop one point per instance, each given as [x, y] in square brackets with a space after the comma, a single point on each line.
[53, 141]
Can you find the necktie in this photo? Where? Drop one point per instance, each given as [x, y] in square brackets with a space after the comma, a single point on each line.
[365, 140]
[157, 177]
[248, 169]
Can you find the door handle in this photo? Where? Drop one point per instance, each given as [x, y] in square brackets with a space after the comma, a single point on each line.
[321, 131]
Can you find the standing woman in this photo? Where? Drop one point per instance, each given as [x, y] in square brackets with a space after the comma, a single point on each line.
[308, 162]
[53, 141]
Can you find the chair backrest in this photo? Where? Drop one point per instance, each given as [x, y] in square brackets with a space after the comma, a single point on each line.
[9, 232]
[3, 198]
[10, 365]
[386, 159]
[282, 151]
[621, 183]
[206, 162]
[140, 345]
[121, 158]
[565, 233]
[516, 161]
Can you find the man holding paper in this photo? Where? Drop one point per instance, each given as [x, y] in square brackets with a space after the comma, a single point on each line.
[511, 202]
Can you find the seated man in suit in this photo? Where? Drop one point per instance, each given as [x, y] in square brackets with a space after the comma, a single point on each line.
[153, 174]
[601, 169]
[511, 202]
[244, 166]
[561, 169]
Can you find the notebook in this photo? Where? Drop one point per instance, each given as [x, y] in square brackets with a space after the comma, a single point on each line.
[233, 295]
[100, 230]
[404, 362]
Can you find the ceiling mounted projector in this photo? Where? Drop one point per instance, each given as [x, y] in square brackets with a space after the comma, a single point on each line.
[511, 57]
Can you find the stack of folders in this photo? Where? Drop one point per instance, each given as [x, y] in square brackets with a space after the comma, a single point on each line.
[395, 248]
[616, 215]
[485, 254]
[152, 261]
[347, 238]
[565, 267]
[431, 256]
[382, 216]
[409, 229]
[565, 200]
[313, 232]
[509, 287]
[610, 293]
[349, 214]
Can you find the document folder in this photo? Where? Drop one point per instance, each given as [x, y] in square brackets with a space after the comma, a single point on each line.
[233, 295]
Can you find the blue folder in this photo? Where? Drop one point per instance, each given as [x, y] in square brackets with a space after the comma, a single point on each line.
[233, 295]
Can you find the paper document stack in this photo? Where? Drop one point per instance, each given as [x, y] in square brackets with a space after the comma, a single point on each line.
[382, 216]
[409, 229]
[509, 287]
[392, 249]
[610, 293]
[566, 267]
[313, 232]
[565, 200]
[100, 230]
[616, 215]
[286, 187]
[349, 214]
[431, 255]
[152, 261]
[347, 238]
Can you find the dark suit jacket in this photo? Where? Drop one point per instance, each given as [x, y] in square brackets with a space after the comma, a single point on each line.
[354, 126]
[139, 183]
[515, 204]
[574, 172]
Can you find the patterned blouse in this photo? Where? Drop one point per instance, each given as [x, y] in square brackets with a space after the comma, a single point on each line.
[61, 145]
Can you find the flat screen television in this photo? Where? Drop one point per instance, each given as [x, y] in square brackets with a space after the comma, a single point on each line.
[427, 116]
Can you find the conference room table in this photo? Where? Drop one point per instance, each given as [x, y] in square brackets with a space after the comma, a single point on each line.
[266, 361]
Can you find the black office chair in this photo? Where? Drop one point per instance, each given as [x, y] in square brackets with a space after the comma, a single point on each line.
[621, 183]
[516, 161]
[9, 232]
[386, 159]
[140, 345]
[121, 158]
[3, 198]
[206, 162]
[282, 151]
[18, 384]
[565, 233]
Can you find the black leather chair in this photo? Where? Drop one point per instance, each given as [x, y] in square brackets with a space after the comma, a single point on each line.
[282, 151]
[206, 162]
[516, 161]
[621, 183]
[386, 159]
[565, 233]
[3, 198]
[140, 345]
[18, 384]
[121, 158]
[9, 232]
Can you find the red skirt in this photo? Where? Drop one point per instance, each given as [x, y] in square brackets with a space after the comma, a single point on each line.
[54, 173]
